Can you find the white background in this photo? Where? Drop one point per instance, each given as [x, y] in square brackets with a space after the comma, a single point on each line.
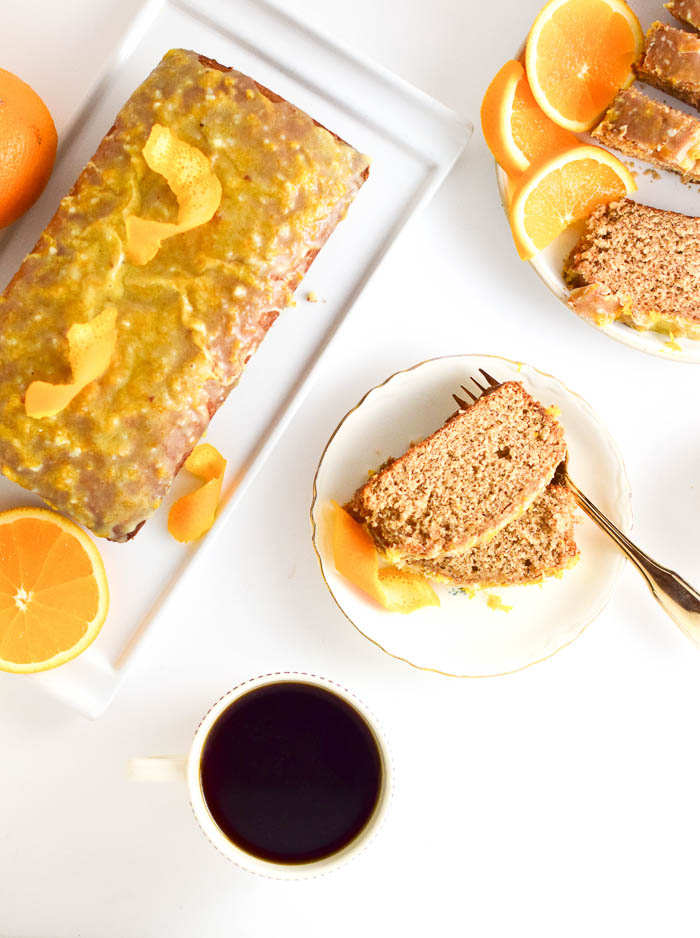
[562, 800]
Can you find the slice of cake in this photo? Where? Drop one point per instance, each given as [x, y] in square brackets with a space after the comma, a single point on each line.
[640, 265]
[466, 481]
[671, 62]
[686, 11]
[538, 544]
[639, 126]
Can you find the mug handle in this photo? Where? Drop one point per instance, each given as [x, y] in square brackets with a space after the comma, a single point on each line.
[157, 768]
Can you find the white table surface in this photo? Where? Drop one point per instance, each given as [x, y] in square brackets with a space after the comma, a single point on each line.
[558, 801]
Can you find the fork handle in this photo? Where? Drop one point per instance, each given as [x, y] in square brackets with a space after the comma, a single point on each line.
[680, 600]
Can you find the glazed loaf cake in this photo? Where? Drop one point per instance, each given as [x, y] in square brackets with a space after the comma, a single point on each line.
[189, 319]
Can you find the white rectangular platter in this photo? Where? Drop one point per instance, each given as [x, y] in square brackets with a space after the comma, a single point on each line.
[413, 142]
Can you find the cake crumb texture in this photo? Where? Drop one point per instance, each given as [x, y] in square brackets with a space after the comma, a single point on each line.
[538, 544]
[466, 481]
[640, 265]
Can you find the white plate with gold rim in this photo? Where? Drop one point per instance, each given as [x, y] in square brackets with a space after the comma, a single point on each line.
[465, 636]
[656, 188]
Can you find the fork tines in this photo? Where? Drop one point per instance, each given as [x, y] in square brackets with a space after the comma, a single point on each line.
[491, 381]
[475, 397]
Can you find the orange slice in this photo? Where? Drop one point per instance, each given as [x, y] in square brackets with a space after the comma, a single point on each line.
[90, 349]
[196, 188]
[356, 559]
[192, 515]
[53, 590]
[579, 54]
[516, 129]
[566, 188]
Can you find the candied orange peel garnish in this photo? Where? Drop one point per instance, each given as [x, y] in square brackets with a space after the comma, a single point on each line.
[192, 515]
[356, 559]
[195, 186]
[90, 348]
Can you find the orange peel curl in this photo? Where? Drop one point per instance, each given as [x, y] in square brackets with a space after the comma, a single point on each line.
[191, 179]
[193, 514]
[356, 559]
[90, 349]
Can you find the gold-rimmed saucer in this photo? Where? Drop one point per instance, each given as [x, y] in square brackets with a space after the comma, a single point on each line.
[465, 636]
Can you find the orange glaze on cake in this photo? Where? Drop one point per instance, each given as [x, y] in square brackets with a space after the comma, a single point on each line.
[187, 321]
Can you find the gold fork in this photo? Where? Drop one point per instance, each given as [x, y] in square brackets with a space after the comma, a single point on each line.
[679, 599]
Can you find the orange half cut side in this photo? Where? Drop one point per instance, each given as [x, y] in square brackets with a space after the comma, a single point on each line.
[54, 595]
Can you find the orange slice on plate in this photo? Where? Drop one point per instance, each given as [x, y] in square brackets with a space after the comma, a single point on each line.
[516, 129]
[566, 188]
[579, 54]
[356, 559]
[53, 590]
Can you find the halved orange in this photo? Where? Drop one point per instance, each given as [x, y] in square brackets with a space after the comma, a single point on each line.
[53, 590]
[566, 188]
[579, 54]
[516, 129]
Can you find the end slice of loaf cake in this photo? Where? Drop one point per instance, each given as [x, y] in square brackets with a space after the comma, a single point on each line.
[640, 265]
[538, 544]
[470, 478]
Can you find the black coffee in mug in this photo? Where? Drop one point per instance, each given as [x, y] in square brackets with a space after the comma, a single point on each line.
[291, 772]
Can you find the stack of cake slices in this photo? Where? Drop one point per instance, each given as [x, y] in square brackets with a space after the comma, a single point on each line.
[475, 504]
[635, 263]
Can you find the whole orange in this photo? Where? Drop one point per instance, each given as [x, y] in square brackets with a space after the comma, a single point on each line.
[27, 147]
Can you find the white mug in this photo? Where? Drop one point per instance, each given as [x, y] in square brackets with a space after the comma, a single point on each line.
[160, 768]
